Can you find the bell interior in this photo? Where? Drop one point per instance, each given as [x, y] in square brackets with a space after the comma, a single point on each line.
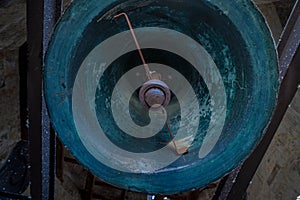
[250, 81]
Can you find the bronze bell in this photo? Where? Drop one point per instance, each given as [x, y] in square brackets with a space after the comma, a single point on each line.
[165, 97]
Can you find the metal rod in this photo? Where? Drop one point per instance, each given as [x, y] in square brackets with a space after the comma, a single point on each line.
[90, 180]
[289, 41]
[23, 65]
[147, 69]
[60, 151]
[146, 66]
[41, 18]
[171, 135]
[35, 38]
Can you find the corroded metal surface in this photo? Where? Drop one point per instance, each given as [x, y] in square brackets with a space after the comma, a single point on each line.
[155, 92]
[245, 57]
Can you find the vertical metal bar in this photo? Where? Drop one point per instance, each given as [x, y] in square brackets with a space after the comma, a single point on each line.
[220, 188]
[52, 160]
[90, 180]
[52, 12]
[59, 160]
[289, 53]
[288, 28]
[289, 41]
[35, 41]
[41, 18]
[23, 91]
[123, 194]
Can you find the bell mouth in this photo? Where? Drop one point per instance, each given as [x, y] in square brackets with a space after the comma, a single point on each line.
[232, 32]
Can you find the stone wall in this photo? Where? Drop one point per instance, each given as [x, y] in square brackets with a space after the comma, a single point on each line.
[9, 102]
[278, 176]
[12, 24]
[12, 35]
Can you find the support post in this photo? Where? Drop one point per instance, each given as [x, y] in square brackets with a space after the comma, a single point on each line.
[41, 18]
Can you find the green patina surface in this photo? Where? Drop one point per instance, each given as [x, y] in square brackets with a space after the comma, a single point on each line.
[233, 32]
